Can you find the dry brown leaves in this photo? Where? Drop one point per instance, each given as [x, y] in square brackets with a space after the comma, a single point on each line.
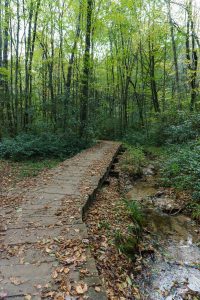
[105, 217]
[71, 257]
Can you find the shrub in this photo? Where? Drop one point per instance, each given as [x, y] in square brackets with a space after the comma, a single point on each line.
[196, 211]
[183, 129]
[136, 138]
[29, 146]
[127, 244]
[133, 161]
[181, 169]
[152, 136]
[135, 211]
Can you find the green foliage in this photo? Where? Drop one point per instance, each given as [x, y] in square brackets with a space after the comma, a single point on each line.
[135, 211]
[32, 168]
[126, 244]
[181, 168]
[196, 211]
[104, 225]
[136, 137]
[184, 130]
[180, 133]
[4, 71]
[168, 128]
[152, 135]
[133, 161]
[107, 128]
[29, 146]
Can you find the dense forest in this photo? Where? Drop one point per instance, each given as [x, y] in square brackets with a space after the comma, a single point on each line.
[96, 67]
[117, 83]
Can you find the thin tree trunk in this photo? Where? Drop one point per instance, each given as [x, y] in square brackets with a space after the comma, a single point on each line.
[191, 55]
[174, 55]
[5, 65]
[70, 68]
[1, 65]
[27, 75]
[86, 71]
[17, 68]
[152, 78]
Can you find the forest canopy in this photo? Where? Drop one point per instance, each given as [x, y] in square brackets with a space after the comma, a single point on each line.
[96, 67]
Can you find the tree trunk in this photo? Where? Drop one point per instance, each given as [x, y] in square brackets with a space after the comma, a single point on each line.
[70, 68]
[86, 71]
[174, 55]
[152, 78]
[5, 65]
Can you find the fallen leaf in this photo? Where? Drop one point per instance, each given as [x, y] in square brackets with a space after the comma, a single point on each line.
[97, 289]
[81, 289]
[38, 286]
[59, 296]
[48, 250]
[16, 281]
[66, 270]
[54, 275]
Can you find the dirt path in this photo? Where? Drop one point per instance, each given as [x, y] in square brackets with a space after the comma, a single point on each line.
[44, 249]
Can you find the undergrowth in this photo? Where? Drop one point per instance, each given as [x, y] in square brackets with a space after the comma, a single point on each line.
[196, 211]
[33, 168]
[46, 145]
[135, 211]
[128, 243]
[178, 154]
[133, 161]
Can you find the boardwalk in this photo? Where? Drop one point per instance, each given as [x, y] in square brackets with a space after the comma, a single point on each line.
[44, 251]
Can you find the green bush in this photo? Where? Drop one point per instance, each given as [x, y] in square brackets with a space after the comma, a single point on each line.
[135, 211]
[183, 129]
[31, 168]
[168, 128]
[181, 168]
[136, 138]
[126, 244]
[29, 146]
[153, 136]
[196, 211]
[133, 161]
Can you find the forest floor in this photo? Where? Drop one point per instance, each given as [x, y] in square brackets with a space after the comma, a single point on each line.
[44, 249]
[16, 177]
[165, 262]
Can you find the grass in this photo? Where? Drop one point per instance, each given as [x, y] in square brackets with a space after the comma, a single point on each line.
[195, 209]
[128, 242]
[134, 211]
[104, 225]
[128, 245]
[33, 168]
[133, 161]
[13, 172]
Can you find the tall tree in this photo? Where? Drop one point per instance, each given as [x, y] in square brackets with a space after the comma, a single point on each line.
[86, 71]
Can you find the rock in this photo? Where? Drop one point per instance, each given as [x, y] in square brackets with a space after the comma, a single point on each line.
[167, 205]
[159, 194]
[149, 171]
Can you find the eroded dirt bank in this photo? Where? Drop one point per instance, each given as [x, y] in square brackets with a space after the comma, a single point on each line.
[166, 261]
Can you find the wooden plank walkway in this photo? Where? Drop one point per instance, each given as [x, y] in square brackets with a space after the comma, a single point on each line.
[44, 252]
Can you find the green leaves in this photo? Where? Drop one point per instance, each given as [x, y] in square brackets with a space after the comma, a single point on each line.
[4, 71]
[29, 146]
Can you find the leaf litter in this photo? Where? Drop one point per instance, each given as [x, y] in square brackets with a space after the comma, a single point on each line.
[107, 216]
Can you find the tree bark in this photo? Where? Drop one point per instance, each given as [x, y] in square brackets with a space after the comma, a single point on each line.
[86, 71]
